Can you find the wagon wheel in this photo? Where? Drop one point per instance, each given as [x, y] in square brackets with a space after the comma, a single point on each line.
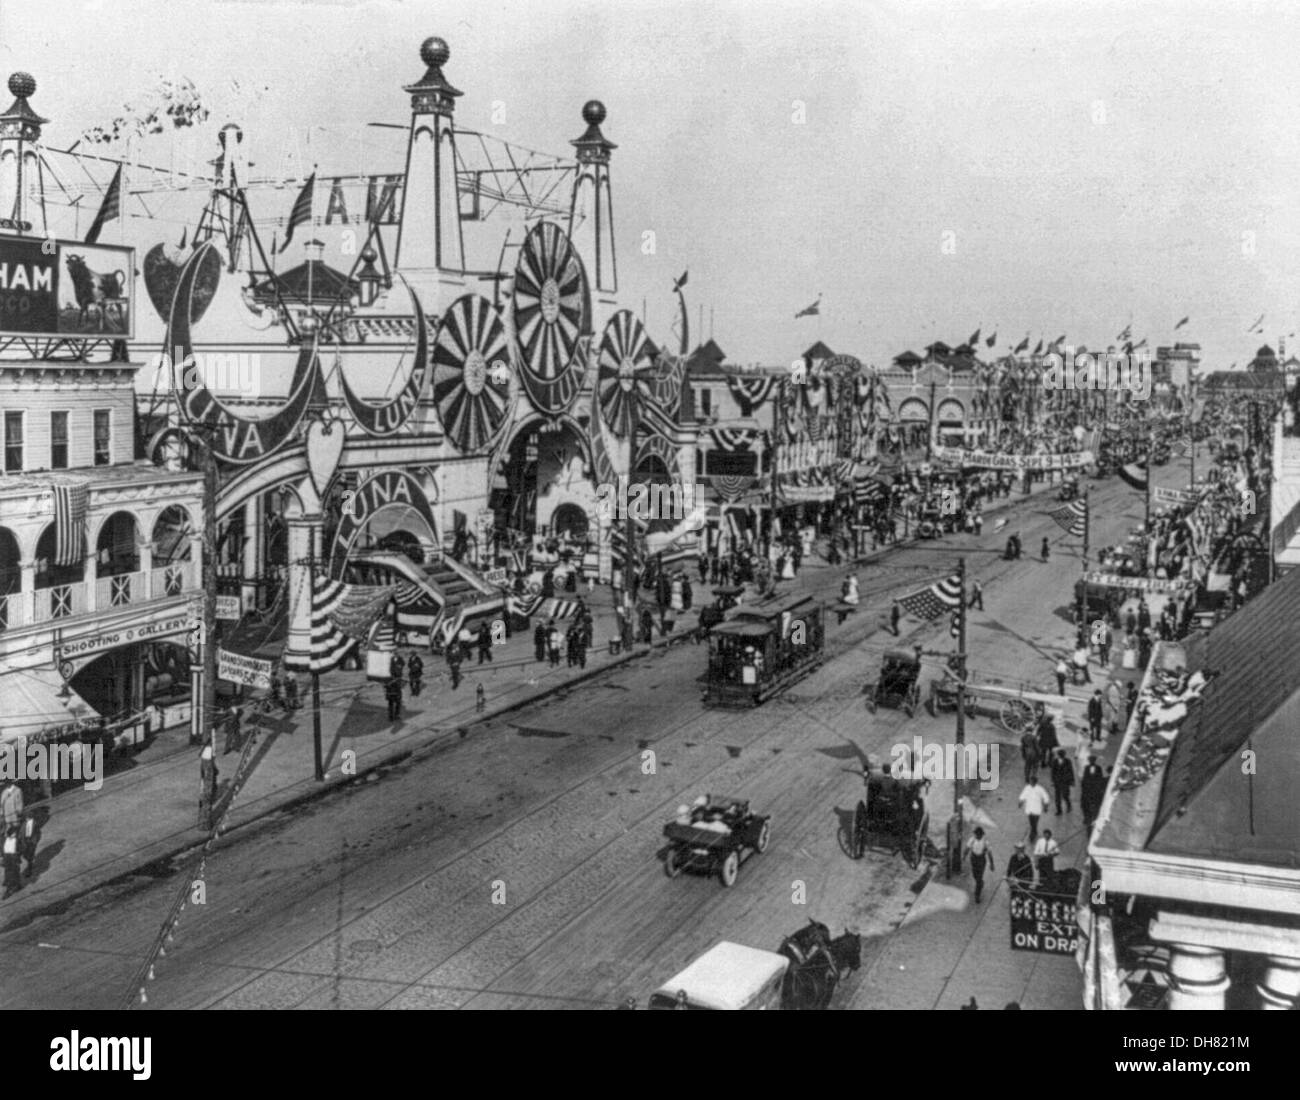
[1016, 715]
[626, 371]
[551, 311]
[858, 840]
[470, 376]
[671, 867]
[730, 868]
[764, 837]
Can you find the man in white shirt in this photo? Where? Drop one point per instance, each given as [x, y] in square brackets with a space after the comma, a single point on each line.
[1034, 800]
[1045, 853]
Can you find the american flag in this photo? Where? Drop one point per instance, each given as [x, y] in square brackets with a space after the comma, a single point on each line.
[69, 523]
[1073, 518]
[110, 208]
[930, 603]
[301, 213]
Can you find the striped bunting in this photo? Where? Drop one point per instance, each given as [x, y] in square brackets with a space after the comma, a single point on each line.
[655, 420]
[731, 487]
[340, 615]
[1135, 475]
[930, 603]
[866, 490]
[1073, 517]
[751, 393]
[524, 605]
[409, 594]
[733, 439]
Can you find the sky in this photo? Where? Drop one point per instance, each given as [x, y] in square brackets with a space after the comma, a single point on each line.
[925, 169]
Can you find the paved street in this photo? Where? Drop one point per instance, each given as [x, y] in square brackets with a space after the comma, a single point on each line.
[517, 866]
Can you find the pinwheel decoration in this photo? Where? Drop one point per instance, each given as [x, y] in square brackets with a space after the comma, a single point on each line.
[551, 312]
[470, 376]
[626, 371]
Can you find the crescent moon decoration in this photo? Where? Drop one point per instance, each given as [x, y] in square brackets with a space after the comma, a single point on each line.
[388, 418]
[625, 367]
[234, 439]
[550, 314]
[472, 395]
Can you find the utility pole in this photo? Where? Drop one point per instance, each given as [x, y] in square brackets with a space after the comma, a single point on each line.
[1148, 498]
[778, 413]
[929, 438]
[203, 701]
[956, 854]
[1083, 582]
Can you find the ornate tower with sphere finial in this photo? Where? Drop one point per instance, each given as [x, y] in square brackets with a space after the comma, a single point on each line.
[591, 212]
[429, 240]
[21, 205]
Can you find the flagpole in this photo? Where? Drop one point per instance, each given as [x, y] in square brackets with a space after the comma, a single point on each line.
[315, 672]
[1083, 584]
[1148, 497]
[955, 863]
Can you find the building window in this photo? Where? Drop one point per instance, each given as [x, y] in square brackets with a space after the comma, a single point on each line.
[13, 442]
[706, 402]
[103, 437]
[58, 441]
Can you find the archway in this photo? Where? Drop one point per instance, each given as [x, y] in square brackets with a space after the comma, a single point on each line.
[546, 465]
[57, 583]
[11, 576]
[117, 550]
[569, 521]
[172, 533]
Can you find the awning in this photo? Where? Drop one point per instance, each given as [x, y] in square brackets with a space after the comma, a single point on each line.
[32, 704]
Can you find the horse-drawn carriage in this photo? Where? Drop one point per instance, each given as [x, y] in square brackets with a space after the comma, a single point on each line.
[818, 962]
[899, 684]
[1015, 706]
[892, 815]
[929, 523]
[715, 835]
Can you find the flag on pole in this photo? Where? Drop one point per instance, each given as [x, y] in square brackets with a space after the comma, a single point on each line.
[1073, 517]
[1140, 344]
[1181, 323]
[1022, 346]
[301, 212]
[1135, 475]
[109, 209]
[69, 523]
[931, 602]
[813, 310]
[991, 340]
[680, 281]
[1259, 321]
[1127, 334]
[1038, 348]
[975, 339]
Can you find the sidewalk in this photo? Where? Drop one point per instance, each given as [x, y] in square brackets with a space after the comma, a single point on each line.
[146, 813]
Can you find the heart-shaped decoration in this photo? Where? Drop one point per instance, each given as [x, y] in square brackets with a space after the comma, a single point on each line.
[325, 439]
[162, 273]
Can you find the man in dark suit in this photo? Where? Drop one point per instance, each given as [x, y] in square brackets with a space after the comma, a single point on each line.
[1095, 714]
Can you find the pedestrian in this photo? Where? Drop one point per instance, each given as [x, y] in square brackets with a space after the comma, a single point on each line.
[1046, 550]
[979, 530]
[1096, 711]
[480, 698]
[1144, 616]
[976, 595]
[1034, 800]
[13, 879]
[416, 672]
[1062, 671]
[207, 786]
[11, 804]
[553, 644]
[1020, 869]
[1130, 622]
[980, 853]
[27, 842]
[895, 613]
[292, 700]
[1103, 639]
[484, 643]
[703, 565]
[1062, 780]
[539, 641]
[1045, 852]
[1081, 664]
[1048, 742]
[1092, 789]
[1130, 701]
[454, 658]
[397, 669]
[1031, 754]
[393, 693]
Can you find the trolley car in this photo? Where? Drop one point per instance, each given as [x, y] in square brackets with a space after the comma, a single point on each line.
[763, 649]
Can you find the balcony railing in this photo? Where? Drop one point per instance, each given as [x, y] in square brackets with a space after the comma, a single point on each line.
[65, 601]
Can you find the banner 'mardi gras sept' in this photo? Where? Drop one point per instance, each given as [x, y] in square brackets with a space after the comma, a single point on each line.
[993, 460]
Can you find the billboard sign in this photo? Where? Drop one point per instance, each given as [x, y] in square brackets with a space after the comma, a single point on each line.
[64, 288]
[1046, 923]
[239, 669]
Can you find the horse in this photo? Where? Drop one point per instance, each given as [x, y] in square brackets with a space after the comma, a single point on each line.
[818, 963]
